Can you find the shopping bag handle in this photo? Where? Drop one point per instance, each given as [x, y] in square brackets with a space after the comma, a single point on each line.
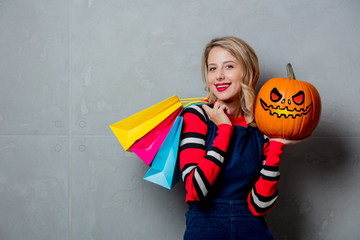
[189, 101]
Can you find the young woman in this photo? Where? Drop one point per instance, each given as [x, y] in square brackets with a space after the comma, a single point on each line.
[229, 169]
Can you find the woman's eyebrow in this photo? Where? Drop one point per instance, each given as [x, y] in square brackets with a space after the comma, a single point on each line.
[230, 61]
[226, 62]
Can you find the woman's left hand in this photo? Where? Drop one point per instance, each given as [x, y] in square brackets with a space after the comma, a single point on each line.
[288, 141]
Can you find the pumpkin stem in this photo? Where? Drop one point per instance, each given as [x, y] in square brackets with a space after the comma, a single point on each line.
[290, 71]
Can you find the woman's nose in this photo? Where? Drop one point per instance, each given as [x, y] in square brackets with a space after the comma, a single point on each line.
[220, 74]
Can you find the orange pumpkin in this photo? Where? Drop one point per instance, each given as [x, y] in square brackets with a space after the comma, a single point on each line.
[287, 108]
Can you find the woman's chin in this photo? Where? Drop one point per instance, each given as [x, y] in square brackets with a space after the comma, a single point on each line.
[226, 98]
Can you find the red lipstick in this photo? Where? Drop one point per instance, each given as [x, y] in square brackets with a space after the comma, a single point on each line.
[220, 87]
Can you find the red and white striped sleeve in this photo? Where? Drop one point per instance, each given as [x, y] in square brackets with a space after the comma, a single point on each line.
[200, 168]
[264, 193]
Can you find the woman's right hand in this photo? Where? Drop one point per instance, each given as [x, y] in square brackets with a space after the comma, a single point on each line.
[288, 141]
[217, 114]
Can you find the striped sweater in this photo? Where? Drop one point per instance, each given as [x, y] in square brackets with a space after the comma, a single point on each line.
[200, 168]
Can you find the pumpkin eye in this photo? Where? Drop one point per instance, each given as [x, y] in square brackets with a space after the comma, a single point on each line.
[275, 96]
[299, 98]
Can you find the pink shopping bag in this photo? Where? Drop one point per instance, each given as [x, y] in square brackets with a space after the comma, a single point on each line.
[147, 147]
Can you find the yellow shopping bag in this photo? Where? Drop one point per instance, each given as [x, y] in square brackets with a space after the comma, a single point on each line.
[136, 126]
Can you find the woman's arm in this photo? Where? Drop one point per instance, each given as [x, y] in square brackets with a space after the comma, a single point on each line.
[263, 195]
[200, 168]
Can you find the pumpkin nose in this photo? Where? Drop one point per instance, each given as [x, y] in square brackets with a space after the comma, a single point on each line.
[283, 101]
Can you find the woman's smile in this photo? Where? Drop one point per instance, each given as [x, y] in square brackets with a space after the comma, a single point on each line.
[220, 87]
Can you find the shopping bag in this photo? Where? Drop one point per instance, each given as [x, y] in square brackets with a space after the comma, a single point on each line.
[165, 170]
[147, 147]
[136, 126]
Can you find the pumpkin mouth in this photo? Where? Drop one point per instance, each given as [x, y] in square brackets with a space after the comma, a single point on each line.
[285, 112]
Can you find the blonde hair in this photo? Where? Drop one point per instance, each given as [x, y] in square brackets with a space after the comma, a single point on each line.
[246, 56]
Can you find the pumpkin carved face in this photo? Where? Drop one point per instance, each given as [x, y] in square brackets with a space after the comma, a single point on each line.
[287, 108]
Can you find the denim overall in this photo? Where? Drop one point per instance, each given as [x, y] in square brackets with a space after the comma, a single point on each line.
[224, 214]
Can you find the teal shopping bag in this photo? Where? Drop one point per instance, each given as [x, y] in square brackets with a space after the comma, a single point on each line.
[165, 169]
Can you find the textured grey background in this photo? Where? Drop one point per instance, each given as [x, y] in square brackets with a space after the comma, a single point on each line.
[70, 68]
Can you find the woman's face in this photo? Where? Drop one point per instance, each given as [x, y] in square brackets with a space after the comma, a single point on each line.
[224, 75]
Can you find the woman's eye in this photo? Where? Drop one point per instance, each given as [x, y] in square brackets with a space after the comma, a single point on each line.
[212, 69]
[229, 66]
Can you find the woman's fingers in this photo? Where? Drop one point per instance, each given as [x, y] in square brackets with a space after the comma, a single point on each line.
[224, 109]
[288, 141]
[207, 109]
[217, 114]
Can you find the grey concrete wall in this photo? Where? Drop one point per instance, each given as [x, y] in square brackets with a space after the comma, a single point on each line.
[70, 68]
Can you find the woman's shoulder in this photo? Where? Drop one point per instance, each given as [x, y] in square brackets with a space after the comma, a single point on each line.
[193, 111]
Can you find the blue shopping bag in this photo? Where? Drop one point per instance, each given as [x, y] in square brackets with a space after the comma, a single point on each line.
[165, 168]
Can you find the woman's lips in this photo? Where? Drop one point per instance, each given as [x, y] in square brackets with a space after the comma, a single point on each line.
[220, 87]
